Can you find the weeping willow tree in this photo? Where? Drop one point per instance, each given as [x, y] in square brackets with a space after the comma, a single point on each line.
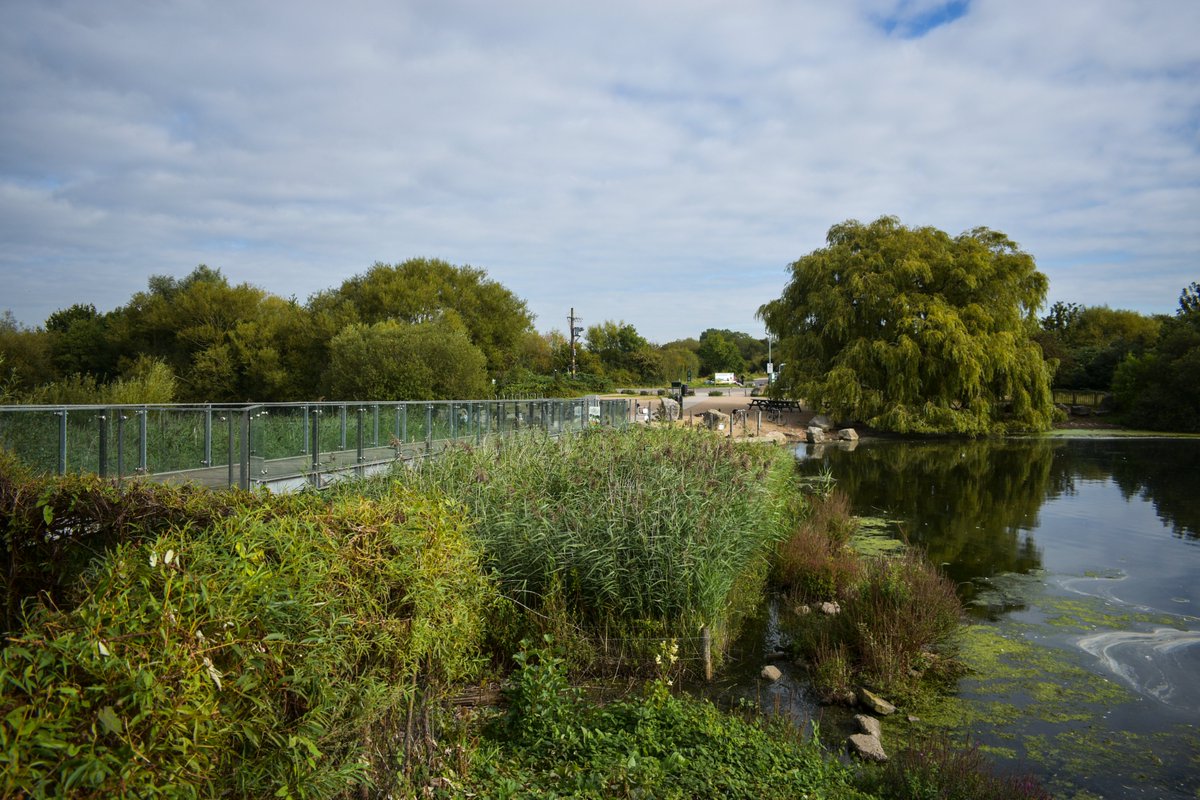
[914, 331]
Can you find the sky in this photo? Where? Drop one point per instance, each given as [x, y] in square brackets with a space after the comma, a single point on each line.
[659, 163]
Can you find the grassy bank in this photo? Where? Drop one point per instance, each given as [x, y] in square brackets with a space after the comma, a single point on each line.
[175, 642]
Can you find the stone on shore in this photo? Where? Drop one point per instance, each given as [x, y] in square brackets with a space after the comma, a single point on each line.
[868, 748]
[875, 703]
[848, 435]
[869, 725]
[771, 673]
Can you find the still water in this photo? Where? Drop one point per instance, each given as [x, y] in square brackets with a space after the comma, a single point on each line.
[1079, 563]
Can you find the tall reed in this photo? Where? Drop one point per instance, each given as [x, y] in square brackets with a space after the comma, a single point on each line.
[667, 526]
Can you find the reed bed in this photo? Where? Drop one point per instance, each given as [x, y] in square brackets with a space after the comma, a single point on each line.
[670, 527]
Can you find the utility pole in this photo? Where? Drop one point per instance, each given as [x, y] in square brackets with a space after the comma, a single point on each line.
[575, 331]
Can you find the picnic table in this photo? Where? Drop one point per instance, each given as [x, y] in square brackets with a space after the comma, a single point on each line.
[772, 404]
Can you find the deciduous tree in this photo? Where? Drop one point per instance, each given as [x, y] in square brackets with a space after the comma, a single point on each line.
[912, 330]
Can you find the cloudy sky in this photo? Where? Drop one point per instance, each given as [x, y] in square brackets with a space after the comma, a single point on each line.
[658, 162]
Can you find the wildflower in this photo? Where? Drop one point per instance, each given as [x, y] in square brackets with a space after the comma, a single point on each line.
[153, 559]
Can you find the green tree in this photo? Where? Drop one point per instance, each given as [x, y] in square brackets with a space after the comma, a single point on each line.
[719, 354]
[912, 330]
[1089, 342]
[433, 360]
[423, 290]
[679, 362]
[1160, 389]
[26, 356]
[752, 350]
[624, 354]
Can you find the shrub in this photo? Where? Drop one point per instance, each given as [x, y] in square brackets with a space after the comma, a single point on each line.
[934, 768]
[896, 628]
[294, 646]
[816, 560]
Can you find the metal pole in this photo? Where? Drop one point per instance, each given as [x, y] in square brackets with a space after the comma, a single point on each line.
[142, 444]
[103, 446]
[208, 436]
[359, 444]
[62, 442]
[245, 481]
[314, 436]
[229, 452]
[375, 425]
[428, 428]
[120, 445]
[304, 427]
[342, 439]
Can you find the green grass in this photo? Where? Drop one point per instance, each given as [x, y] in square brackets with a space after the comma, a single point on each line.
[647, 532]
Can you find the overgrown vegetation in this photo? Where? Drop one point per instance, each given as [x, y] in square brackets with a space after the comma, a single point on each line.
[897, 614]
[933, 767]
[618, 539]
[553, 744]
[175, 642]
[275, 646]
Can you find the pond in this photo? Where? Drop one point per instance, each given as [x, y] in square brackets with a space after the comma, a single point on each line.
[1079, 563]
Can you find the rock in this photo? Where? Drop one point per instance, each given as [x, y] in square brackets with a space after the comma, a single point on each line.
[821, 421]
[670, 409]
[874, 703]
[775, 437]
[911, 718]
[868, 748]
[778, 655]
[869, 725]
[716, 420]
[830, 608]
[771, 673]
[815, 435]
[801, 610]
[848, 435]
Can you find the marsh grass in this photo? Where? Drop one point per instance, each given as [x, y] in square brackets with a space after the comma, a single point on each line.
[632, 535]
[898, 613]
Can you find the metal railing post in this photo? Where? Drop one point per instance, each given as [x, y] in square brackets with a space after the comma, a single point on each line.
[358, 445]
[315, 430]
[304, 447]
[428, 428]
[120, 445]
[208, 436]
[244, 483]
[62, 442]
[103, 445]
[143, 445]
[342, 440]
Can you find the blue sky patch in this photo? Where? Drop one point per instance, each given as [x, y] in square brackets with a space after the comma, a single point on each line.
[907, 23]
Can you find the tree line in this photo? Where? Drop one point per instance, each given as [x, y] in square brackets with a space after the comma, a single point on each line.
[423, 329]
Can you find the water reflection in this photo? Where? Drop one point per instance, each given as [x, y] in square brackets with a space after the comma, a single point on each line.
[970, 505]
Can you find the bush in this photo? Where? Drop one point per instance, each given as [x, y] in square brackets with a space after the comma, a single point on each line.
[934, 768]
[295, 646]
[816, 560]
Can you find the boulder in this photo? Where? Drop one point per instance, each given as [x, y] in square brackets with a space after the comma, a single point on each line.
[868, 748]
[815, 435]
[848, 435]
[670, 409]
[874, 703]
[803, 609]
[868, 725]
[771, 673]
[716, 420]
[830, 608]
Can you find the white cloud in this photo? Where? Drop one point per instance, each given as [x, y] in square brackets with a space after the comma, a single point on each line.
[659, 163]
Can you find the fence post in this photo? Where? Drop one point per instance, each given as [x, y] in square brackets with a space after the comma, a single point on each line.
[62, 442]
[314, 429]
[244, 483]
[428, 428]
[103, 445]
[208, 436]
[120, 444]
[143, 445]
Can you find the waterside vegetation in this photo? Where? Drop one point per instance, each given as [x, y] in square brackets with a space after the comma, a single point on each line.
[172, 642]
